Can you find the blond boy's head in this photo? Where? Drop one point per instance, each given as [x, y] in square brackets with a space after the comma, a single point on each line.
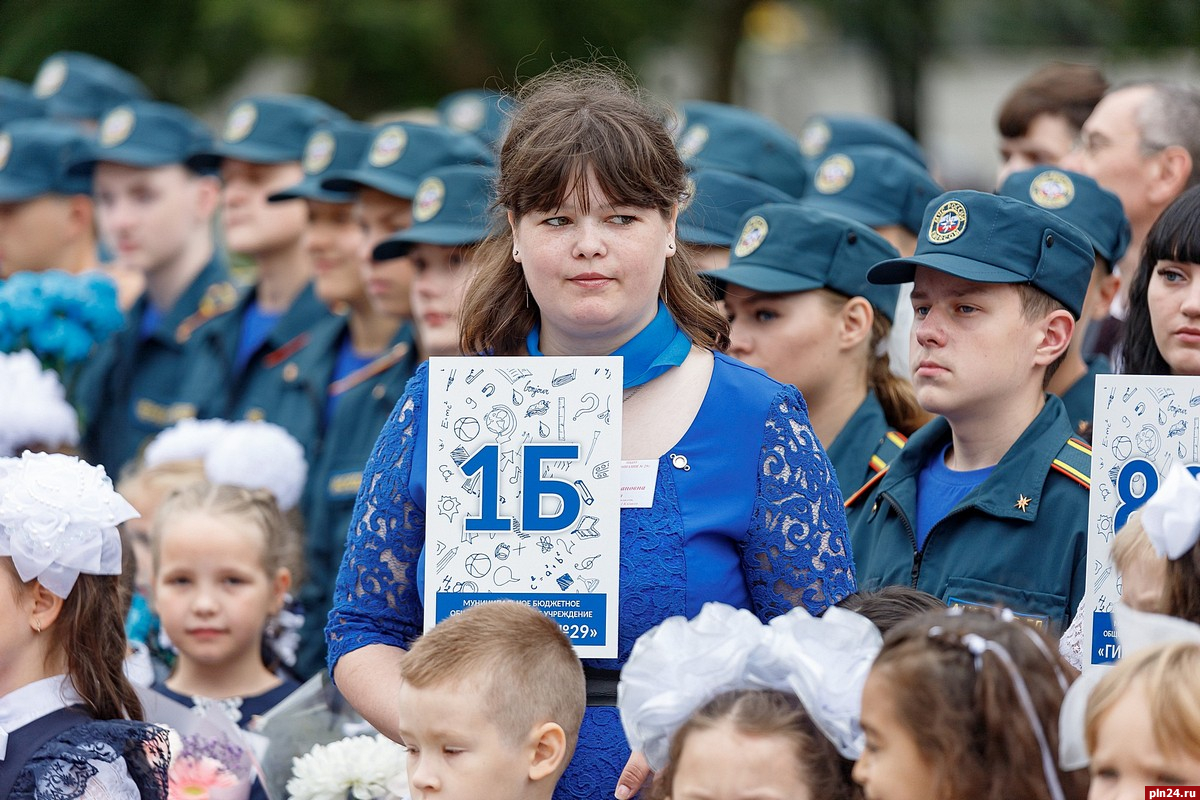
[491, 700]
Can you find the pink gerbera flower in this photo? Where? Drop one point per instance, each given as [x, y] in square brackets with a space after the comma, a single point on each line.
[193, 778]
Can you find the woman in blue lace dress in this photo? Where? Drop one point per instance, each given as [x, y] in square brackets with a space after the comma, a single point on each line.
[745, 508]
[66, 708]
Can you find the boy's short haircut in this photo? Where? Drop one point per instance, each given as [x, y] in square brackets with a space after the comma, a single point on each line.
[889, 606]
[1036, 304]
[517, 658]
[1059, 89]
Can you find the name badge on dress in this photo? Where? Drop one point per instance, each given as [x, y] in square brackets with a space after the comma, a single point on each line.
[638, 479]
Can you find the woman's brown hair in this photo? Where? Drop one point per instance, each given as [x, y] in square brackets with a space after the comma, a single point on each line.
[576, 120]
[89, 632]
[962, 705]
[766, 712]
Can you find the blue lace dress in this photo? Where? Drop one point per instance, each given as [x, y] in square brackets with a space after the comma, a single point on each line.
[755, 522]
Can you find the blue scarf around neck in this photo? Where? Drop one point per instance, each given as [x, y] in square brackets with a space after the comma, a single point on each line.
[654, 350]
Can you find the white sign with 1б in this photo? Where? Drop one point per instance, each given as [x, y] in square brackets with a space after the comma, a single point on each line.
[523, 490]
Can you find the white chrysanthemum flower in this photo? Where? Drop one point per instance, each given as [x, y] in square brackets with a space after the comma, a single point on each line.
[361, 767]
[33, 407]
[259, 455]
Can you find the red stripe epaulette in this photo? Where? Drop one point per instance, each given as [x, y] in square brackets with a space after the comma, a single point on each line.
[368, 371]
[218, 298]
[286, 351]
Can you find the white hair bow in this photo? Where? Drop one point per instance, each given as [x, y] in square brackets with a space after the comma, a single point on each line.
[681, 664]
[1172, 516]
[59, 518]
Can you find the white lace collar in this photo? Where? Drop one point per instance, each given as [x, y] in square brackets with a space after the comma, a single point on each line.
[33, 701]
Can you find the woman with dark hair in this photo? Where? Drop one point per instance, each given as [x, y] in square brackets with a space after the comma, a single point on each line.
[589, 264]
[1162, 332]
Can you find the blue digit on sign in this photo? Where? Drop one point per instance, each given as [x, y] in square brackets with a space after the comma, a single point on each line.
[535, 487]
[1130, 502]
[489, 520]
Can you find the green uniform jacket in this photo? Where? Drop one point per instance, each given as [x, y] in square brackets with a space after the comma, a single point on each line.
[130, 389]
[1019, 539]
[367, 399]
[1081, 397]
[285, 379]
[865, 445]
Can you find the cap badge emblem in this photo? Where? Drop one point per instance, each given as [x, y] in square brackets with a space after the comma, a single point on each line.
[754, 232]
[388, 146]
[431, 194]
[834, 174]
[116, 126]
[949, 222]
[241, 122]
[319, 152]
[692, 141]
[1052, 189]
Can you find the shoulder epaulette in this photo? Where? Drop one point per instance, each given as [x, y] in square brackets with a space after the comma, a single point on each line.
[286, 350]
[865, 489]
[1075, 461]
[219, 298]
[368, 371]
[889, 447]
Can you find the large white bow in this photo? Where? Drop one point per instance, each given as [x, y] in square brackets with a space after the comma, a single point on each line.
[59, 518]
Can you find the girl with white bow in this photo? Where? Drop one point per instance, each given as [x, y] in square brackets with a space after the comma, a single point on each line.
[724, 706]
[67, 712]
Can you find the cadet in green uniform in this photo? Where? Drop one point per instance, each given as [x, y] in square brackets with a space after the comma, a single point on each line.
[710, 215]
[986, 505]
[373, 359]
[888, 191]
[800, 308]
[720, 136]
[46, 213]
[1097, 212]
[384, 182]
[450, 218]
[156, 215]
[247, 363]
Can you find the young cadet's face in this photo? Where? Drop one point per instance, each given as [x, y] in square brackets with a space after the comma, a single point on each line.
[789, 335]
[595, 275]
[253, 226]
[149, 216]
[1173, 297]
[1127, 757]
[442, 275]
[892, 766]
[1047, 140]
[971, 346]
[389, 283]
[32, 233]
[455, 750]
[722, 763]
[335, 244]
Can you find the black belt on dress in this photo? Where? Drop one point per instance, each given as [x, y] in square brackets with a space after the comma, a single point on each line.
[601, 686]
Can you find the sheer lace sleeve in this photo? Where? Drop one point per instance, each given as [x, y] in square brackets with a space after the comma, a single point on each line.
[798, 551]
[376, 599]
[101, 760]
